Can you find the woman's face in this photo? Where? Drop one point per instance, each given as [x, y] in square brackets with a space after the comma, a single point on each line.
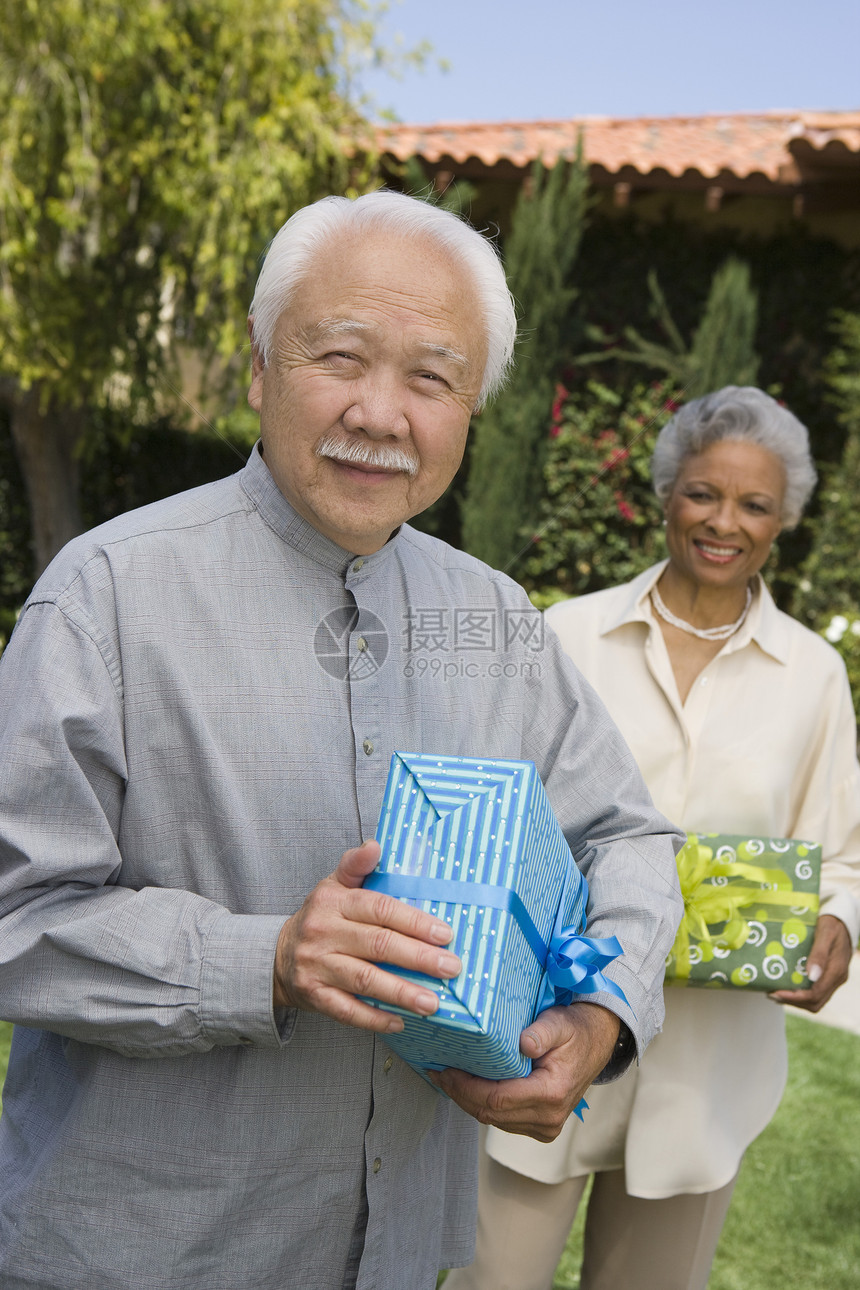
[724, 513]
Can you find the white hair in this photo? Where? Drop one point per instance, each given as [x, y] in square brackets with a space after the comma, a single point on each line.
[305, 233]
[737, 412]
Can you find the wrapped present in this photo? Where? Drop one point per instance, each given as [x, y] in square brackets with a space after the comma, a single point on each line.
[750, 908]
[475, 843]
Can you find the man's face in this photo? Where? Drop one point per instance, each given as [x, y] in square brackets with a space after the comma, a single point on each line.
[375, 369]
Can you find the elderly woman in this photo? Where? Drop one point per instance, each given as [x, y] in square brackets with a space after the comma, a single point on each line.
[741, 721]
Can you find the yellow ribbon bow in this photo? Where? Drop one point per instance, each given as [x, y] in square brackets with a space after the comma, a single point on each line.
[706, 904]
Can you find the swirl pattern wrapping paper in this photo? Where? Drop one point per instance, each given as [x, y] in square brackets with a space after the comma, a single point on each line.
[750, 908]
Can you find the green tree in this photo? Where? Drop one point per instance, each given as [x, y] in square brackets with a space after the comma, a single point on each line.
[505, 481]
[457, 197]
[146, 149]
[830, 577]
[15, 570]
[721, 351]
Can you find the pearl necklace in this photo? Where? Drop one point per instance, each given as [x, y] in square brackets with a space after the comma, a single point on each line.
[704, 633]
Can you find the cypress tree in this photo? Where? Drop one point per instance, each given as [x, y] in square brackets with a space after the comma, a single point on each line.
[722, 352]
[722, 348]
[830, 576]
[505, 482]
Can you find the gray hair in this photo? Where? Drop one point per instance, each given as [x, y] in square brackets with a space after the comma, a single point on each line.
[306, 232]
[737, 412]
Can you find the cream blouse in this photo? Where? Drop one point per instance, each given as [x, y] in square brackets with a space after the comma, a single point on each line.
[765, 744]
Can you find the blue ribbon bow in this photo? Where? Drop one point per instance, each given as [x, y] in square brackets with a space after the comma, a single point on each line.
[573, 963]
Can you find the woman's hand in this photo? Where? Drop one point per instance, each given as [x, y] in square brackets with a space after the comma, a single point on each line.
[827, 966]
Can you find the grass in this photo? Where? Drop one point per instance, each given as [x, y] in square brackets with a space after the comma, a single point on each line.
[5, 1042]
[793, 1221]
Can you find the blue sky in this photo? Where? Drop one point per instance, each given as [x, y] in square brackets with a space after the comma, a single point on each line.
[526, 59]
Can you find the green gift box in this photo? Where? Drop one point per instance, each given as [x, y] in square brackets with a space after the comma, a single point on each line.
[750, 908]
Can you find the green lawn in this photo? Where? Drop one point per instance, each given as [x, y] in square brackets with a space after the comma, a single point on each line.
[793, 1223]
[5, 1041]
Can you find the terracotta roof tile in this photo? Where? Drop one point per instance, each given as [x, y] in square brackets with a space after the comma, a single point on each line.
[740, 143]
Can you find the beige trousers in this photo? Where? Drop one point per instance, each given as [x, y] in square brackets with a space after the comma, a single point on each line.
[630, 1244]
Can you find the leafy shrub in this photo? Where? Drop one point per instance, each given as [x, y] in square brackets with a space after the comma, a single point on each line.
[16, 558]
[600, 521]
[843, 632]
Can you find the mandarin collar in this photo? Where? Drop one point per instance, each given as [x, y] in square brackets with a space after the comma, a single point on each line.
[259, 486]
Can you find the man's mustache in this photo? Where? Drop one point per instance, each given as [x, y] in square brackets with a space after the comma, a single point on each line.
[359, 452]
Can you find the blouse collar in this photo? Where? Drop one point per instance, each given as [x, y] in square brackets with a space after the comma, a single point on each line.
[763, 624]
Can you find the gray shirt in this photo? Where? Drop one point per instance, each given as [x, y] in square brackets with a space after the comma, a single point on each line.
[197, 712]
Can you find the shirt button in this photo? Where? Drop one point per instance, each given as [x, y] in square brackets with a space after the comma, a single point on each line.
[704, 680]
[358, 565]
[362, 643]
[367, 746]
[389, 1062]
[377, 1165]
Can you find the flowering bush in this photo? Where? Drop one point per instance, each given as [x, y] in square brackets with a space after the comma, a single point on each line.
[843, 632]
[600, 521]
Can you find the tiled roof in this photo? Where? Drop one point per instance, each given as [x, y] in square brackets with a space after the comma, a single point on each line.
[742, 144]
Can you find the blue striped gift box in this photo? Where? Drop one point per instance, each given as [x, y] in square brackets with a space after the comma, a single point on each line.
[454, 830]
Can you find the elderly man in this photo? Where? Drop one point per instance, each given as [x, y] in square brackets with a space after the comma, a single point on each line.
[198, 709]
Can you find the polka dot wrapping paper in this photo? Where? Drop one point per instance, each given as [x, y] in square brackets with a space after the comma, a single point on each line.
[484, 835]
[750, 908]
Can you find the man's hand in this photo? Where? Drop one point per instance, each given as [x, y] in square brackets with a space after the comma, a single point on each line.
[827, 966]
[569, 1047]
[328, 951]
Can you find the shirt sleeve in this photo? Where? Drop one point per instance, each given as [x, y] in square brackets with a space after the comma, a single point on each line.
[623, 846]
[146, 972]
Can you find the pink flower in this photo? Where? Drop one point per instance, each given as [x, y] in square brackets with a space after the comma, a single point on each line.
[671, 406]
[560, 395]
[554, 431]
[625, 510]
